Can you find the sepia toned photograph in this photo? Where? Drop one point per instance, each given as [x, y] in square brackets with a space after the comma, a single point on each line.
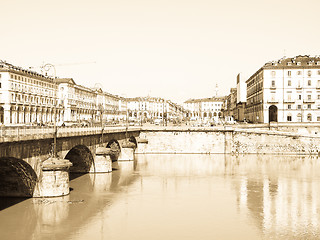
[159, 120]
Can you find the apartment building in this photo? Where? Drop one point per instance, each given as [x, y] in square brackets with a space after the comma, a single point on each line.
[151, 108]
[287, 90]
[204, 109]
[27, 97]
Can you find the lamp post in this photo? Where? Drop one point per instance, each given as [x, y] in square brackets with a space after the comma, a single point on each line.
[46, 67]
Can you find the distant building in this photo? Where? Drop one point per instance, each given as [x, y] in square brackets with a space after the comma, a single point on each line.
[204, 109]
[150, 108]
[230, 106]
[287, 90]
[241, 98]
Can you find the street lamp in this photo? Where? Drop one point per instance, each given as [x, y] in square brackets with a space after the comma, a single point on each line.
[46, 67]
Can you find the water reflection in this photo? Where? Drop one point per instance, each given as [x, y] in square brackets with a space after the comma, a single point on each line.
[180, 197]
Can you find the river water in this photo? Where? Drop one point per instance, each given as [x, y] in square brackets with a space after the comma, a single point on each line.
[186, 196]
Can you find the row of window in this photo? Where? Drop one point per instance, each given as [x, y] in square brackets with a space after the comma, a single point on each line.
[31, 81]
[299, 72]
[29, 89]
[299, 106]
[289, 84]
[20, 98]
[299, 117]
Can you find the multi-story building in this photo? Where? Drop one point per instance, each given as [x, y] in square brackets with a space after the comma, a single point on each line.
[79, 102]
[151, 108]
[204, 109]
[241, 98]
[287, 90]
[26, 96]
[230, 105]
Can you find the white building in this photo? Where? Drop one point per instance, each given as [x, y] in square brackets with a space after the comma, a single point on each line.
[287, 90]
[204, 109]
[151, 108]
[26, 96]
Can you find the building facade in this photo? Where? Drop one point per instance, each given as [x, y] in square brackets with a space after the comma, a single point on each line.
[287, 90]
[241, 98]
[145, 109]
[27, 97]
[204, 109]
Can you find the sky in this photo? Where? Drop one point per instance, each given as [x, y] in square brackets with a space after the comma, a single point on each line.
[174, 49]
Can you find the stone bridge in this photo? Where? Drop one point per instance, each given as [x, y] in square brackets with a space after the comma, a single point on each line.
[27, 166]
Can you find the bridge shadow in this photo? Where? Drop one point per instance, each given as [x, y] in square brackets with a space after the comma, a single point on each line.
[6, 202]
[17, 181]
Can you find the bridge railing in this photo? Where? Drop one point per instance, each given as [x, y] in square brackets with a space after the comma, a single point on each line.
[41, 131]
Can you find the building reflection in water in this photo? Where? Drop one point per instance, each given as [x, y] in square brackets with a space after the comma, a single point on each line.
[280, 192]
[264, 196]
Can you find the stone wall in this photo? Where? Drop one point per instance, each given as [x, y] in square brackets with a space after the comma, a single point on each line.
[229, 141]
[274, 143]
[183, 142]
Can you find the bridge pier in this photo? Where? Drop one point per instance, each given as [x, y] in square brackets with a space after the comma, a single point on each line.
[127, 151]
[142, 144]
[103, 162]
[54, 179]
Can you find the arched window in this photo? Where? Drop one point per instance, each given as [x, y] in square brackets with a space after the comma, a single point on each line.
[309, 117]
[299, 119]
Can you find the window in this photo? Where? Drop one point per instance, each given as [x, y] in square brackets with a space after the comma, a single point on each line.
[299, 96]
[289, 83]
[289, 106]
[309, 106]
[0, 76]
[289, 118]
[273, 83]
[318, 97]
[289, 73]
[318, 70]
[309, 73]
[318, 118]
[309, 97]
[309, 82]
[299, 106]
[299, 73]
[299, 117]
[309, 117]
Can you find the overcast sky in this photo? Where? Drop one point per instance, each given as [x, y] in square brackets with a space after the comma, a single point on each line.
[175, 49]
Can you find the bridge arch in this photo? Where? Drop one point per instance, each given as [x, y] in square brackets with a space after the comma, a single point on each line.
[116, 149]
[81, 158]
[17, 178]
[133, 140]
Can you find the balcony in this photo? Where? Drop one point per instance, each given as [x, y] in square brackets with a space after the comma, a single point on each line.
[309, 101]
[288, 101]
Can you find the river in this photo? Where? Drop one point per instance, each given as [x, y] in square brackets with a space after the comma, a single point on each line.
[187, 196]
